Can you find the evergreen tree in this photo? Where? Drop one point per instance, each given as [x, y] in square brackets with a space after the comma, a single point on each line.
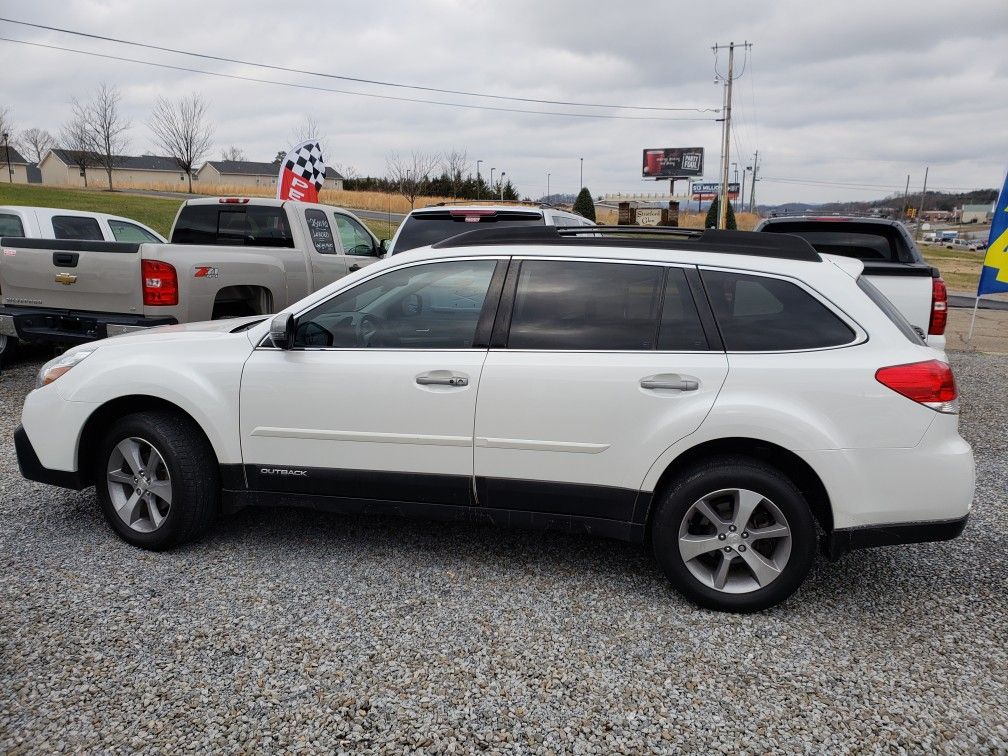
[711, 221]
[583, 205]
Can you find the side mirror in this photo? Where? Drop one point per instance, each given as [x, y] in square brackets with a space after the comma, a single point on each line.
[282, 331]
[383, 247]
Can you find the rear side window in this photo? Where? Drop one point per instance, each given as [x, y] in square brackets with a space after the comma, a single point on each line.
[680, 329]
[761, 314]
[432, 227]
[76, 227]
[878, 242]
[234, 225]
[563, 305]
[10, 225]
[130, 232]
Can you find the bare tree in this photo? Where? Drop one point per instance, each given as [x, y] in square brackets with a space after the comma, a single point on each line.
[233, 153]
[7, 124]
[455, 164]
[308, 129]
[75, 138]
[181, 129]
[107, 128]
[410, 173]
[38, 142]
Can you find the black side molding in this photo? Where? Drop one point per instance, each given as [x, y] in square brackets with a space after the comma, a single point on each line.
[71, 245]
[842, 540]
[32, 469]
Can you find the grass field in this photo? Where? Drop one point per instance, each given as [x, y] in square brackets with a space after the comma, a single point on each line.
[156, 212]
[959, 267]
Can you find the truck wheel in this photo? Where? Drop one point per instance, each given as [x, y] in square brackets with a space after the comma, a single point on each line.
[8, 345]
[157, 480]
[734, 535]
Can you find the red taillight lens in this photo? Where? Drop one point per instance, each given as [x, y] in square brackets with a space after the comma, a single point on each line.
[939, 307]
[929, 383]
[160, 283]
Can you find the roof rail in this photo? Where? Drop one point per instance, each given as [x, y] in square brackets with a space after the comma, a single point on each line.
[517, 203]
[781, 246]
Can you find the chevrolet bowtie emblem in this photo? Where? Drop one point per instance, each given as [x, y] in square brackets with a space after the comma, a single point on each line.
[66, 278]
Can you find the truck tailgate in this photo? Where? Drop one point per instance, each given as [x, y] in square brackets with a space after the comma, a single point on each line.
[906, 285]
[73, 275]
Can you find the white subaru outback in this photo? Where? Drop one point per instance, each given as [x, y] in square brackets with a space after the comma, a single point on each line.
[732, 400]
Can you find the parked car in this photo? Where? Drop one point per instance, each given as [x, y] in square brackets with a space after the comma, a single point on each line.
[721, 397]
[228, 257]
[429, 225]
[891, 260]
[54, 223]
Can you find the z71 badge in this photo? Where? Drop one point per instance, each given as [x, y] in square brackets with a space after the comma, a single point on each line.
[205, 271]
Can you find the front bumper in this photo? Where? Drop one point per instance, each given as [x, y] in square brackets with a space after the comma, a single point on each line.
[48, 325]
[32, 469]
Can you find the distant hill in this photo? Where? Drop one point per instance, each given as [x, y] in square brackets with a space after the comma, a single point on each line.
[933, 201]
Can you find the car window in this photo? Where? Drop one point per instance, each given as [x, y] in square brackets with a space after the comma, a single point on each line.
[680, 329]
[879, 242]
[562, 305]
[76, 227]
[130, 232]
[433, 226]
[233, 225]
[10, 225]
[432, 306]
[761, 314]
[320, 232]
[890, 310]
[356, 240]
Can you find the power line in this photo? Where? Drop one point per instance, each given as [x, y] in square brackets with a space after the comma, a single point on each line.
[856, 185]
[348, 92]
[358, 80]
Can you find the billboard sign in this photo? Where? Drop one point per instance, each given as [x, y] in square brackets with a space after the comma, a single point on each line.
[673, 162]
[710, 190]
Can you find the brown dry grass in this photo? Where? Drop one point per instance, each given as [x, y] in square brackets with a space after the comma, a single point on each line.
[608, 216]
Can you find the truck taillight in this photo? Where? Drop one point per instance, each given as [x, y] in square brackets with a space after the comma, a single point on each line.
[939, 307]
[160, 283]
[929, 383]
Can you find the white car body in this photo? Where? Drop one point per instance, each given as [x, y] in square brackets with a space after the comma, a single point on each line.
[318, 421]
[37, 223]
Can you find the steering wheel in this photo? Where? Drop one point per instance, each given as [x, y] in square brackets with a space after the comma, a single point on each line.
[365, 327]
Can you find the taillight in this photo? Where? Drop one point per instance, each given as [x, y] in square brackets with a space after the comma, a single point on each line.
[929, 383]
[939, 307]
[160, 283]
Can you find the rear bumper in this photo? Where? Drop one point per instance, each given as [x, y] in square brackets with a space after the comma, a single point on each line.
[48, 325]
[32, 469]
[847, 539]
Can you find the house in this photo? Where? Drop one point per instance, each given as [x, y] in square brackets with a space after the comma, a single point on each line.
[59, 167]
[977, 214]
[251, 173]
[17, 170]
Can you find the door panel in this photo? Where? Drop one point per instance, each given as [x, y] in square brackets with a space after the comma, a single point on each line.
[584, 418]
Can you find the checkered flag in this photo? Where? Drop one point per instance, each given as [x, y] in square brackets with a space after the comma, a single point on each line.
[302, 173]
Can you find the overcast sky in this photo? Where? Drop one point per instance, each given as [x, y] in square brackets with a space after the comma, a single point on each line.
[857, 94]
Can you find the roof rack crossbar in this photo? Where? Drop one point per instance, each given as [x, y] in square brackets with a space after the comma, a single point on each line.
[781, 246]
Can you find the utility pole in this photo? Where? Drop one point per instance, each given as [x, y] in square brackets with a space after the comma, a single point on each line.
[491, 181]
[582, 174]
[547, 187]
[10, 171]
[726, 130]
[920, 209]
[752, 189]
[478, 179]
[741, 193]
[906, 196]
[503, 174]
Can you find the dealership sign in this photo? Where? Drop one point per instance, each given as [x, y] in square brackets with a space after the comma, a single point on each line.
[673, 162]
[712, 189]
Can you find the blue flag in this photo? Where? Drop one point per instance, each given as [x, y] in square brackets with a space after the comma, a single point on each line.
[994, 275]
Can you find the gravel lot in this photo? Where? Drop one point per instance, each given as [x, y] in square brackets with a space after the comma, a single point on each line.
[292, 631]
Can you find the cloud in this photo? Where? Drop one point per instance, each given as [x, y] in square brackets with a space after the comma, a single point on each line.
[857, 92]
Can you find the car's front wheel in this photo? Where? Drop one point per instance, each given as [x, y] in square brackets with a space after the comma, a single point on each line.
[157, 480]
[735, 535]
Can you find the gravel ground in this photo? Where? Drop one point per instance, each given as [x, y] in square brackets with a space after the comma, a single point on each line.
[294, 631]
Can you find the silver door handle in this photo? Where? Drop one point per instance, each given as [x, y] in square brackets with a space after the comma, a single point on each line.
[448, 380]
[673, 384]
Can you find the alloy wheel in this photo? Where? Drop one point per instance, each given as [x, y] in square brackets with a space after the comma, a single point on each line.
[139, 484]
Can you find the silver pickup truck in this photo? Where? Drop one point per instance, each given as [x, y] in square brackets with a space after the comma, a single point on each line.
[228, 257]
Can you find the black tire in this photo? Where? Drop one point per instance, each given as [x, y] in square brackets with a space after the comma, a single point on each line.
[733, 472]
[8, 348]
[194, 477]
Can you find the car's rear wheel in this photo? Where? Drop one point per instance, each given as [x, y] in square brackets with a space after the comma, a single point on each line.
[157, 480]
[734, 535]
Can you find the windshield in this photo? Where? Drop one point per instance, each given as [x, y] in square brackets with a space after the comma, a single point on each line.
[432, 227]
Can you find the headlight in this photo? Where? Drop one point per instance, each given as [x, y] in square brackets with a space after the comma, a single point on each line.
[57, 367]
